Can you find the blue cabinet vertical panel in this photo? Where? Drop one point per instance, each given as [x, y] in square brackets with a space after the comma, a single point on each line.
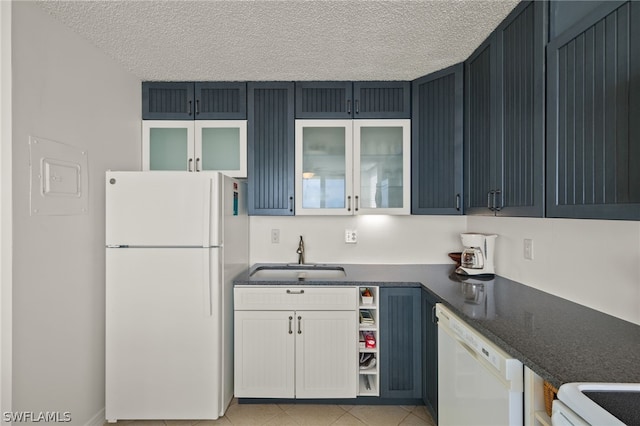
[520, 117]
[436, 144]
[430, 353]
[479, 128]
[324, 99]
[167, 101]
[270, 148]
[593, 136]
[220, 101]
[382, 99]
[401, 347]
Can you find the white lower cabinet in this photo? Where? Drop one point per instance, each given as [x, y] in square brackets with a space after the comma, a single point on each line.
[296, 352]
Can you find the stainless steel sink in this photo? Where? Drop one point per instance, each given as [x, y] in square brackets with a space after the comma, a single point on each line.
[298, 272]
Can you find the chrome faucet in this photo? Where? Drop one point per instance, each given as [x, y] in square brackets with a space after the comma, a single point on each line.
[300, 251]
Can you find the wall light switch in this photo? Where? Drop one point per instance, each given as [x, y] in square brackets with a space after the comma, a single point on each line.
[528, 249]
[350, 236]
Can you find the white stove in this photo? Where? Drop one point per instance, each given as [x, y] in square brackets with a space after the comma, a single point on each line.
[581, 404]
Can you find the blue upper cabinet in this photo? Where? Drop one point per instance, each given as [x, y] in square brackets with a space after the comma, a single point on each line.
[343, 99]
[593, 110]
[436, 142]
[504, 117]
[270, 150]
[194, 101]
[167, 101]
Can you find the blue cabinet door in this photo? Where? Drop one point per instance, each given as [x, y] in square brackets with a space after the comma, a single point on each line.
[167, 101]
[504, 117]
[436, 143]
[345, 99]
[593, 105]
[401, 347]
[381, 99]
[194, 101]
[270, 148]
[220, 101]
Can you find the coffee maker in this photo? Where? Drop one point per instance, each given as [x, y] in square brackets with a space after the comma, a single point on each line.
[477, 257]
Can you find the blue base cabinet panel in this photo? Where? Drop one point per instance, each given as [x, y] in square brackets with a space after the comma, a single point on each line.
[430, 354]
[270, 148]
[593, 106]
[401, 343]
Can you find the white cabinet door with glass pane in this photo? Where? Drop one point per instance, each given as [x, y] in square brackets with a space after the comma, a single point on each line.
[347, 167]
[195, 146]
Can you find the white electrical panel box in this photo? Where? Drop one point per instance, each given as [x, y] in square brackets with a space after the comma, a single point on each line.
[59, 178]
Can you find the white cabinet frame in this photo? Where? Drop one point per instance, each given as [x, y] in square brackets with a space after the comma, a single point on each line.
[352, 129]
[194, 142]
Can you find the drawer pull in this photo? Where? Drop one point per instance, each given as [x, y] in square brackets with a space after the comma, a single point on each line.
[295, 292]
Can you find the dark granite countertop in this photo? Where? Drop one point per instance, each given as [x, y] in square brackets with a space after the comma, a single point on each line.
[560, 340]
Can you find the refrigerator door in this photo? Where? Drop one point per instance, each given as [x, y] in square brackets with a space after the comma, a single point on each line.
[163, 334]
[167, 209]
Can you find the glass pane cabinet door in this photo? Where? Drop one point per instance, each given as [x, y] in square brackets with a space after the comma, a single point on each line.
[382, 171]
[167, 145]
[323, 167]
[221, 145]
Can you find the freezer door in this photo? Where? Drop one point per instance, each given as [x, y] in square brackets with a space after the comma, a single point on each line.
[163, 338]
[169, 209]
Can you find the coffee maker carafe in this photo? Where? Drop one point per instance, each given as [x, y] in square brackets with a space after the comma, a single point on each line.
[477, 257]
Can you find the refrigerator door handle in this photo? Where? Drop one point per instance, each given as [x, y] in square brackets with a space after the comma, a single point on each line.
[206, 213]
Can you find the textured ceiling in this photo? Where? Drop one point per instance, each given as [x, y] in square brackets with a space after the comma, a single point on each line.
[282, 40]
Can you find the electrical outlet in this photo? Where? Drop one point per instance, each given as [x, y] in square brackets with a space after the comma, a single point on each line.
[350, 236]
[275, 236]
[528, 249]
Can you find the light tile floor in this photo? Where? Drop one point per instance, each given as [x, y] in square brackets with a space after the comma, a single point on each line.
[307, 414]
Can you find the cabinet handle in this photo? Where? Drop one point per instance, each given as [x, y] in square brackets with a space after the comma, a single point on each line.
[189, 109]
[291, 204]
[348, 106]
[458, 202]
[290, 323]
[299, 324]
[490, 200]
[190, 166]
[497, 206]
[434, 319]
[197, 106]
[197, 164]
[357, 203]
[349, 203]
[357, 106]
[295, 292]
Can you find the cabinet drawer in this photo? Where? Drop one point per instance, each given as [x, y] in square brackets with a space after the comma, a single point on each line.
[327, 298]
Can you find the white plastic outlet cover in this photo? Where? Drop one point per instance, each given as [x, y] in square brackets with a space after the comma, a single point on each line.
[59, 178]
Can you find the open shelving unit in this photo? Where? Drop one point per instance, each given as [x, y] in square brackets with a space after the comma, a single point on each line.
[368, 378]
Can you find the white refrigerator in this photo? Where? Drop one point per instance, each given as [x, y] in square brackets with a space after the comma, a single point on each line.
[175, 241]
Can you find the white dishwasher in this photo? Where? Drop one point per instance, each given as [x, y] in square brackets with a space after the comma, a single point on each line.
[478, 383]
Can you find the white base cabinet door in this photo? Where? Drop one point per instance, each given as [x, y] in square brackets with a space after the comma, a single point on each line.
[325, 354]
[264, 354]
[295, 354]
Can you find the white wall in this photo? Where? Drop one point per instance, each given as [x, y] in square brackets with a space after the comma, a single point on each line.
[381, 239]
[5, 208]
[592, 262]
[67, 91]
